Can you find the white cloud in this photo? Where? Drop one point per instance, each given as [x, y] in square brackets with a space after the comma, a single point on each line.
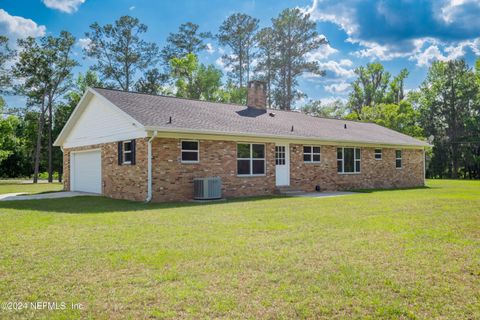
[374, 50]
[15, 27]
[332, 99]
[428, 50]
[392, 31]
[321, 53]
[131, 8]
[219, 62]
[210, 48]
[452, 9]
[340, 87]
[84, 43]
[340, 69]
[68, 6]
[339, 13]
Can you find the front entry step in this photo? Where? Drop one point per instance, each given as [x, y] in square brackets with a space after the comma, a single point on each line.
[287, 190]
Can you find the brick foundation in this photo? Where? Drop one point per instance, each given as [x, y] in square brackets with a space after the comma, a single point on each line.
[374, 173]
[173, 180]
[118, 181]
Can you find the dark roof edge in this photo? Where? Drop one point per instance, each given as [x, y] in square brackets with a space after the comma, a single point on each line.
[270, 136]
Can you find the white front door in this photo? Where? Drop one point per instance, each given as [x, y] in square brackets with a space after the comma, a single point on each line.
[282, 164]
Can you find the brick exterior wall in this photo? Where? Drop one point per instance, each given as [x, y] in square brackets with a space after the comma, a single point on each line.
[173, 180]
[118, 181]
[373, 173]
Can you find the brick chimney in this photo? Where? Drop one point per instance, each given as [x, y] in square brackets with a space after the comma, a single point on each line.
[256, 95]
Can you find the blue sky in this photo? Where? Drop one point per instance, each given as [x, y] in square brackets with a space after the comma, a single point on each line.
[399, 33]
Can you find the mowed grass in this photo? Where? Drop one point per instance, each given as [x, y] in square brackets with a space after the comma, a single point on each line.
[7, 186]
[404, 254]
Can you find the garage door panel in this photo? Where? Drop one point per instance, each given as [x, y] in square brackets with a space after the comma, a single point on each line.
[86, 171]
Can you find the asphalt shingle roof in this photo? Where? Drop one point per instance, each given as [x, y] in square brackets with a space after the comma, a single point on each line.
[155, 111]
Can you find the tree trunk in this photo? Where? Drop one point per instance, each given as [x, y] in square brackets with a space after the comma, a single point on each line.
[38, 148]
[50, 158]
[240, 70]
[60, 173]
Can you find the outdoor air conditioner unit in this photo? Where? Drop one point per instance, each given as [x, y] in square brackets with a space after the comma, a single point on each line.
[207, 188]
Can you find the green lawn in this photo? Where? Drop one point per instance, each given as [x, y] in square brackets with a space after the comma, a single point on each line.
[385, 254]
[7, 186]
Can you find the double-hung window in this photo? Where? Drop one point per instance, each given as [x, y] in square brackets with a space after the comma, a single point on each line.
[378, 154]
[311, 154]
[348, 160]
[250, 159]
[398, 159]
[190, 151]
[126, 152]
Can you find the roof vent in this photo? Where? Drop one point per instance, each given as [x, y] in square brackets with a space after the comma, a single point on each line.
[345, 126]
[292, 129]
[170, 120]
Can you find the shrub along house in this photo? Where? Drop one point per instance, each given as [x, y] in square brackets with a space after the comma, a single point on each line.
[141, 147]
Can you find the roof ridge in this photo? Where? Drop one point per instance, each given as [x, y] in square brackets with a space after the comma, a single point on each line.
[166, 96]
[235, 104]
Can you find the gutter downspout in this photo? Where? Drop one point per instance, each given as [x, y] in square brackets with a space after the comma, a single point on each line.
[149, 159]
[424, 168]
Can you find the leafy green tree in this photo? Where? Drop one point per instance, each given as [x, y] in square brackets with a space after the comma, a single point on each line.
[231, 93]
[45, 68]
[449, 100]
[152, 82]
[187, 40]
[295, 35]
[369, 88]
[396, 91]
[194, 80]
[120, 52]
[81, 84]
[266, 57]
[238, 33]
[7, 136]
[336, 109]
[6, 54]
[402, 117]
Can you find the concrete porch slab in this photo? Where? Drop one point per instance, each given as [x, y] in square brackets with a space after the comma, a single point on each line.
[51, 195]
[324, 194]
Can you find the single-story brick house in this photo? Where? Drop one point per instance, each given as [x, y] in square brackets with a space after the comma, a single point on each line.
[137, 146]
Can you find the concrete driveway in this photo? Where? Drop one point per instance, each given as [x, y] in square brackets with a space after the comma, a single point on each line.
[51, 195]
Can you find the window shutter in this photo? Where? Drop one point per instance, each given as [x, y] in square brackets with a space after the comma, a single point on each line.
[133, 152]
[120, 153]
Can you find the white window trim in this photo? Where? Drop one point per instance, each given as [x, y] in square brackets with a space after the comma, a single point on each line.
[311, 153]
[192, 151]
[251, 160]
[124, 151]
[401, 159]
[354, 160]
[375, 154]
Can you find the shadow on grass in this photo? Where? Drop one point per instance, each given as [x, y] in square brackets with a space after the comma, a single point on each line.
[392, 189]
[97, 205]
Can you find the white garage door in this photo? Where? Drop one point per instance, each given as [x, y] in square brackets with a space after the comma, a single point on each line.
[86, 171]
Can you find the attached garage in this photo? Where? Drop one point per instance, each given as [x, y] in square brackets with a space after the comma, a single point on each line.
[86, 171]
